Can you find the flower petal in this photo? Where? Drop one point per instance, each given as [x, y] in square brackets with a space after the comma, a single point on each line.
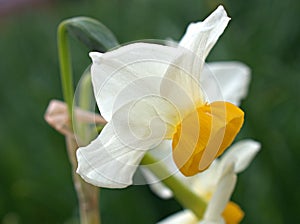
[200, 37]
[144, 123]
[185, 216]
[134, 129]
[106, 162]
[156, 185]
[113, 72]
[221, 195]
[205, 182]
[241, 154]
[181, 83]
[219, 221]
[226, 81]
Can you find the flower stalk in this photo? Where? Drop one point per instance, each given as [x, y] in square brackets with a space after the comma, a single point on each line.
[87, 194]
[65, 66]
[183, 194]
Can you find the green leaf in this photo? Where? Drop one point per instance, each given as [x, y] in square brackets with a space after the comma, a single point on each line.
[92, 33]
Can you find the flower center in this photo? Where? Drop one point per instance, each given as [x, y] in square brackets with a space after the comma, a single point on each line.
[204, 134]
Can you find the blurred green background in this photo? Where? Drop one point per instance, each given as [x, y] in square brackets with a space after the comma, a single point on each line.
[35, 175]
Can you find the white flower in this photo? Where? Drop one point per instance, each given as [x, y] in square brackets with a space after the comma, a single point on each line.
[151, 93]
[216, 185]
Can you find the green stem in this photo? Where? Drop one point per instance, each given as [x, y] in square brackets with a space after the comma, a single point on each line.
[86, 92]
[86, 193]
[183, 194]
[84, 96]
[65, 66]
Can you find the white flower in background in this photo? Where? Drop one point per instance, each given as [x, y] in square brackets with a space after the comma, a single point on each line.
[151, 93]
[216, 185]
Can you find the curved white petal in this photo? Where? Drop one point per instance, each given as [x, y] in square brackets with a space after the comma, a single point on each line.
[127, 73]
[106, 162]
[219, 221]
[144, 123]
[206, 181]
[156, 185]
[135, 128]
[200, 37]
[181, 83]
[183, 217]
[221, 195]
[241, 154]
[226, 81]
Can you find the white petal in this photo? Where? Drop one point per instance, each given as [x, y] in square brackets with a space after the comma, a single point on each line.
[219, 221]
[206, 181]
[226, 81]
[200, 37]
[144, 123]
[221, 195]
[163, 153]
[241, 154]
[183, 217]
[111, 160]
[107, 162]
[181, 84]
[156, 185]
[127, 73]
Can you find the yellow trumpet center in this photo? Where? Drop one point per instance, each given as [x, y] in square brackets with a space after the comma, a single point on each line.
[204, 134]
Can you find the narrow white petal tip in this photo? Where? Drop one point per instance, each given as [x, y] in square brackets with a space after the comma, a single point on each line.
[221, 10]
[95, 56]
[166, 194]
[162, 191]
[242, 153]
[243, 68]
[253, 146]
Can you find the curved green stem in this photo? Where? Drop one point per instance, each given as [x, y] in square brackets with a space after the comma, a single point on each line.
[65, 66]
[182, 192]
[86, 92]
[87, 194]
